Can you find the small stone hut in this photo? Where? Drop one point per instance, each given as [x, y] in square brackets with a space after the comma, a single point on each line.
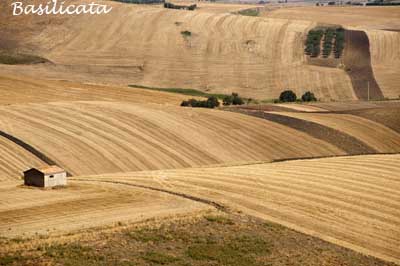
[50, 176]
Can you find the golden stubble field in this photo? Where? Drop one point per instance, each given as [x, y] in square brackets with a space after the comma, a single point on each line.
[136, 155]
[350, 201]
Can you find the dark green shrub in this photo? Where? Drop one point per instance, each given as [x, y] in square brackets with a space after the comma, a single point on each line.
[288, 96]
[308, 97]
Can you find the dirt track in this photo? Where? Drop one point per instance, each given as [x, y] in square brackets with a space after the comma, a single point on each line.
[327, 198]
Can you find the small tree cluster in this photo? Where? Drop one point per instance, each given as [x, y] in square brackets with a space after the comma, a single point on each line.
[211, 102]
[233, 99]
[290, 96]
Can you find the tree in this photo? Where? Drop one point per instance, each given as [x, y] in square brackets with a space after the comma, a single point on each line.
[288, 96]
[227, 100]
[212, 102]
[308, 97]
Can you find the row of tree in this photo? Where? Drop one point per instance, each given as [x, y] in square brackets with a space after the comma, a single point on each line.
[235, 99]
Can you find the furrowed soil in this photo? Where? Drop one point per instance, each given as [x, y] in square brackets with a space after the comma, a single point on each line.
[106, 137]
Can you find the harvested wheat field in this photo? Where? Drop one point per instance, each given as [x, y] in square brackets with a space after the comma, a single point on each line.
[256, 57]
[375, 135]
[103, 137]
[329, 198]
[26, 212]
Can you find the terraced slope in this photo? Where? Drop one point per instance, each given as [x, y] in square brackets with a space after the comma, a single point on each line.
[350, 201]
[375, 135]
[103, 137]
[256, 57]
[14, 160]
[25, 212]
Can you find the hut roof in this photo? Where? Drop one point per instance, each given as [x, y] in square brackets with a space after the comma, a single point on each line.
[52, 169]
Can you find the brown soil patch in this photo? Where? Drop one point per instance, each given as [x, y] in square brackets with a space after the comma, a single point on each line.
[357, 61]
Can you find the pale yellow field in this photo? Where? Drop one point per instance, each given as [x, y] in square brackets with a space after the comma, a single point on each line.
[104, 137]
[350, 201]
[26, 212]
[375, 135]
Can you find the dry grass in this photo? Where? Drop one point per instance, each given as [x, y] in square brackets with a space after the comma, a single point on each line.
[243, 241]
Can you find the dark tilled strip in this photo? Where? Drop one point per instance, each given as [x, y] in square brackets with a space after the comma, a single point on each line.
[343, 141]
[357, 60]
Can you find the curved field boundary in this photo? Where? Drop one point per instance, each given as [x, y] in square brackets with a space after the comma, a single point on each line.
[387, 116]
[343, 141]
[357, 60]
[214, 204]
[350, 201]
[376, 135]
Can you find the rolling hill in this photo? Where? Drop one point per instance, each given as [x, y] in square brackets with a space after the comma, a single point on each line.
[329, 198]
[104, 137]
